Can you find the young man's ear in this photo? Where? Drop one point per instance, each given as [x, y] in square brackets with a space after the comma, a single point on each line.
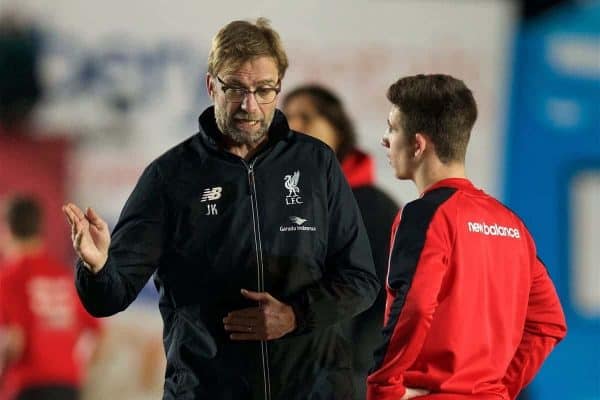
[419, 145]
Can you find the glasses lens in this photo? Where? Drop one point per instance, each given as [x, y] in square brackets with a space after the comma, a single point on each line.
[265, 95]
[235, 95]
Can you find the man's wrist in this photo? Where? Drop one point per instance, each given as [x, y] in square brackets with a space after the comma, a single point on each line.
[90, 269]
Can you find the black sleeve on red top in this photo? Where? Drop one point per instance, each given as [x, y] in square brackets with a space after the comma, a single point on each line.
[545, 326]
[418, 264]
[136, 247]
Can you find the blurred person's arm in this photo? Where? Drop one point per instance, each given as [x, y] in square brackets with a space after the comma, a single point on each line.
[111, 273]
[545, 326]
[12, 338]
[12, 345]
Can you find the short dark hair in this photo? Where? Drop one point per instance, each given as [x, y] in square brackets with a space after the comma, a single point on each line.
[439, 106]
[24, 217]
[332, 109]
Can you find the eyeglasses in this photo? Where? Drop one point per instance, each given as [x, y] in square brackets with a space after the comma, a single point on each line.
[263, 95]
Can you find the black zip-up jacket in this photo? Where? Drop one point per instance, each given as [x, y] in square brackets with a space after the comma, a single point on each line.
[206, 224]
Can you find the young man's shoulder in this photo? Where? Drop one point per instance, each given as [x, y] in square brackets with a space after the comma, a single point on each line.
[457, 201]
[421, 212]
[430, 201]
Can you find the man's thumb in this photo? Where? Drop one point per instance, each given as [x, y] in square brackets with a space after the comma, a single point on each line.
[257, 296]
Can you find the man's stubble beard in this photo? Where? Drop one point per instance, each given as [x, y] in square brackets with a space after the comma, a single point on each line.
[241, 137]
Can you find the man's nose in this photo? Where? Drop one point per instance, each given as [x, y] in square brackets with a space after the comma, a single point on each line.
[385, 141]
[249, 103]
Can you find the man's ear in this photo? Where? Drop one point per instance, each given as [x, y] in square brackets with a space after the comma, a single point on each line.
[210, 85]
[420, 144]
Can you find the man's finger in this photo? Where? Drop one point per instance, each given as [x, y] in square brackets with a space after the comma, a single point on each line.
[70, 214]
[70, 221]
[94, 218]
[77, 241]
[76, 211]
[245, 320]
[81, 225]
[247, 336]
[65, 211]
[257, 296]
[242, 328]
[245, 312]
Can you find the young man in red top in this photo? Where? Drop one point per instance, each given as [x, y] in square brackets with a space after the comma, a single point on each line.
[41, 318]
[471, 312]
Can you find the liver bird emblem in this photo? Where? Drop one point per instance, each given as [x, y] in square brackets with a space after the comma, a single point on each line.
[291, 184]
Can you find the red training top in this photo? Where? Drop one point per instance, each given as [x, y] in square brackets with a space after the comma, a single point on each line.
[471, 312]
[37, 294]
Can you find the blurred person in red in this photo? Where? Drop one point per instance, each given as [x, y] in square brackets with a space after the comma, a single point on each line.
[43, 322]
[317, 111]
[471, 311]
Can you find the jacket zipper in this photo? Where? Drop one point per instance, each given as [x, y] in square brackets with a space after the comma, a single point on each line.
[260, 269]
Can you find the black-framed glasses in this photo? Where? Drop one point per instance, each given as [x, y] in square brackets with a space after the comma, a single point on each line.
[263, 95]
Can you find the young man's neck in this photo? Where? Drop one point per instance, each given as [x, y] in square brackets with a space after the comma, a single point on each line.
[434, 171]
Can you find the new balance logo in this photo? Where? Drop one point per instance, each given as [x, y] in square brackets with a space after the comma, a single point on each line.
[493, 230]
[211, 194]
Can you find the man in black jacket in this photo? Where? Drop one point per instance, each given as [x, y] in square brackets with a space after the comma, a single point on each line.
[254, 239]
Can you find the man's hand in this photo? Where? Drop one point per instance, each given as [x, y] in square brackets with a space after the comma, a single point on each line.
[270, 320]
[90, 236]
[411, 393]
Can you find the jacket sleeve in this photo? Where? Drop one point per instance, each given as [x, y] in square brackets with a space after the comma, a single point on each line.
[418, 264]
[135, 250]
[545, 326]
[349, 284]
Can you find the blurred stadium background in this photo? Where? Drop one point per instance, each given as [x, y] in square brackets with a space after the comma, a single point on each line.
[90, 92]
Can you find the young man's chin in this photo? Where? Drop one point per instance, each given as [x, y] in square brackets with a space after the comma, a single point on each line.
[401, 176]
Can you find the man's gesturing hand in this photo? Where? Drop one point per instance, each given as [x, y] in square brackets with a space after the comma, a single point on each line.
[90, 236]
[270, 320]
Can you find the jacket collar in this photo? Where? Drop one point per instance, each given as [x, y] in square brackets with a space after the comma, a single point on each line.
[456, 183]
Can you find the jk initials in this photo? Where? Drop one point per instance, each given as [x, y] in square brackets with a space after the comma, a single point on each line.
[212, 209]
